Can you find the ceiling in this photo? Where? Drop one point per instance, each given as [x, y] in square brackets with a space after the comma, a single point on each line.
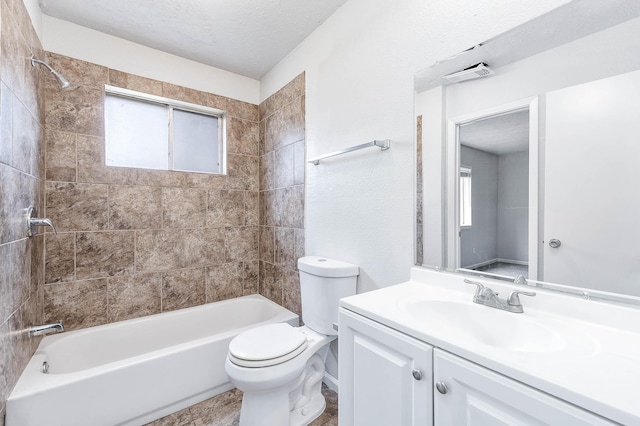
[502, 134]
[574, 20]
[246, 37]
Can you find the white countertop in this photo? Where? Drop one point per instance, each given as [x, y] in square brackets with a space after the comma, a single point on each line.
[585, 352]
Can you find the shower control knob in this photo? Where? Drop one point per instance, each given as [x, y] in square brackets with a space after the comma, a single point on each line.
[442, 387]
[417, 374]
[554, 243]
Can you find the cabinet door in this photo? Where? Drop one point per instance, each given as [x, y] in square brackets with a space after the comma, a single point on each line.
[385, 376]
[478, 396]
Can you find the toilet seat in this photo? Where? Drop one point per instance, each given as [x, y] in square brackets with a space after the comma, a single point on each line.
[267, 345]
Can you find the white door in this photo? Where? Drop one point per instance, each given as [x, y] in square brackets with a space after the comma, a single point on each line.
[591, 203]
[385, 376]
[467, 394]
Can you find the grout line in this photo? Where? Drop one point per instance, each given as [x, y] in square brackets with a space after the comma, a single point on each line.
[75, 138]
[75, 256]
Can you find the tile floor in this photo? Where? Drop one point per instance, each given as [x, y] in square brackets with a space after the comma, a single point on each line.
[506, 269]
[224, 410]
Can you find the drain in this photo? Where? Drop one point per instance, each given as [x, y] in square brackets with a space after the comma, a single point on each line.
[45, 367]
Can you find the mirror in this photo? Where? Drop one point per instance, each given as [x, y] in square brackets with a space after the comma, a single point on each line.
[529, 173]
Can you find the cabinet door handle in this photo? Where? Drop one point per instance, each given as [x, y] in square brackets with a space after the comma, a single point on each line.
[442, 387]
[417, 374]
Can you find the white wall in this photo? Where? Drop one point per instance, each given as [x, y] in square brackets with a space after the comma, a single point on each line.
[513, 206]
[479, 242]
[66, 38]
[359, 66]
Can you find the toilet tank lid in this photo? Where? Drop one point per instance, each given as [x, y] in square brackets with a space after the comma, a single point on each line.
[325, 267]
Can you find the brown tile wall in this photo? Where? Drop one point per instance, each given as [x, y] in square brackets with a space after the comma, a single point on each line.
[21, 185]
[135, 242]
[282, 165]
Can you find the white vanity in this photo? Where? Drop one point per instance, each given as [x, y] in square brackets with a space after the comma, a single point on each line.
[422, 353]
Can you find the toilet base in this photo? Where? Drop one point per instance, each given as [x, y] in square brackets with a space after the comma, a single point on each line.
[296, 404]
[269, 411]
[309, 413]
[263, 409]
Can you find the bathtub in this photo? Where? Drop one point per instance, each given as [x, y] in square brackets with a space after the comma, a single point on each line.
[135, 371]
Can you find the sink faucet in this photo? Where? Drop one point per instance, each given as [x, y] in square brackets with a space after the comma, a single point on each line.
[37, 330]
[488, 297]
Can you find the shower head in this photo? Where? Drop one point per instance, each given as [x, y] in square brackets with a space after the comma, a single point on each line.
[64, 83]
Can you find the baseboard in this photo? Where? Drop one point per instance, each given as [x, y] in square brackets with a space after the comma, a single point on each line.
[331, 382]
[478, 265]
[491, 261]
[514, 262]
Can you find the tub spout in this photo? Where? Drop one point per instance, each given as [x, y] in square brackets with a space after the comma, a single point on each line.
[33, 221]
[38, 330]
[36, 221]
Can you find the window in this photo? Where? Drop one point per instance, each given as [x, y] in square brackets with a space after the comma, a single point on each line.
[465, 196]
[150, 132]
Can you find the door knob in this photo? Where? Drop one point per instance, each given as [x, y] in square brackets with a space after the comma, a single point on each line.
[442, 387]
[554, 243]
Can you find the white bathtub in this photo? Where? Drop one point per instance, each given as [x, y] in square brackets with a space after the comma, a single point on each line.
[135, 371]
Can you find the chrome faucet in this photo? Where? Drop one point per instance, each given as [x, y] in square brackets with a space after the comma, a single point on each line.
[38, 330]
[488, 297]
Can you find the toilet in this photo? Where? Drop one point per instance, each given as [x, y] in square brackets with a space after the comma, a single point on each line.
[279, 367]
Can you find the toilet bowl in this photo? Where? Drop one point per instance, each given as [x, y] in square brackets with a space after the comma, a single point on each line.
[281, 391]
[279, 367]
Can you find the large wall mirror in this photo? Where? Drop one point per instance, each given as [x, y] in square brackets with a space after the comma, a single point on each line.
[530, 174]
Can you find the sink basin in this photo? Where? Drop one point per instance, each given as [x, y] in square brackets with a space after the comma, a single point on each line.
[485, 325]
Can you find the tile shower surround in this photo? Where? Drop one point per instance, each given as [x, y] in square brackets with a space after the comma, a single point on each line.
[187, 239]
[137, 242]
[134, 242]
[21, 185]
[282, 172]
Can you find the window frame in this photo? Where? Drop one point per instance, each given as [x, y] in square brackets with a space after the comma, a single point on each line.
[172, 104]
[468, 175]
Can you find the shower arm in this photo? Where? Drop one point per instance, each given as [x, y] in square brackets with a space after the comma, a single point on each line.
[61, 79]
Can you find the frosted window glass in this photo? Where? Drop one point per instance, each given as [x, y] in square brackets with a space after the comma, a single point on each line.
[195, 142]
[136, 133]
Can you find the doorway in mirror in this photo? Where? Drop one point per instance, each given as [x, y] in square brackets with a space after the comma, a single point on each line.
[493, 194]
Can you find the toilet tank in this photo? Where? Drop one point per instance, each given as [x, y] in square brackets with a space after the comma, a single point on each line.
[323, 282]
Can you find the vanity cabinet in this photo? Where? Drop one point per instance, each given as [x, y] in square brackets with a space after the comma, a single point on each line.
[467, 393]
[385, 376]
[389, 378]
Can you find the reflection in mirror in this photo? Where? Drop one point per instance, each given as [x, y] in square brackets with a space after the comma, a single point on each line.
[499, 145]
[494, 195]
[559, 207]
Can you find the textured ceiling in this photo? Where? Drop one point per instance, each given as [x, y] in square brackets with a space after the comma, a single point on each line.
[246, 37]
[498, 135]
